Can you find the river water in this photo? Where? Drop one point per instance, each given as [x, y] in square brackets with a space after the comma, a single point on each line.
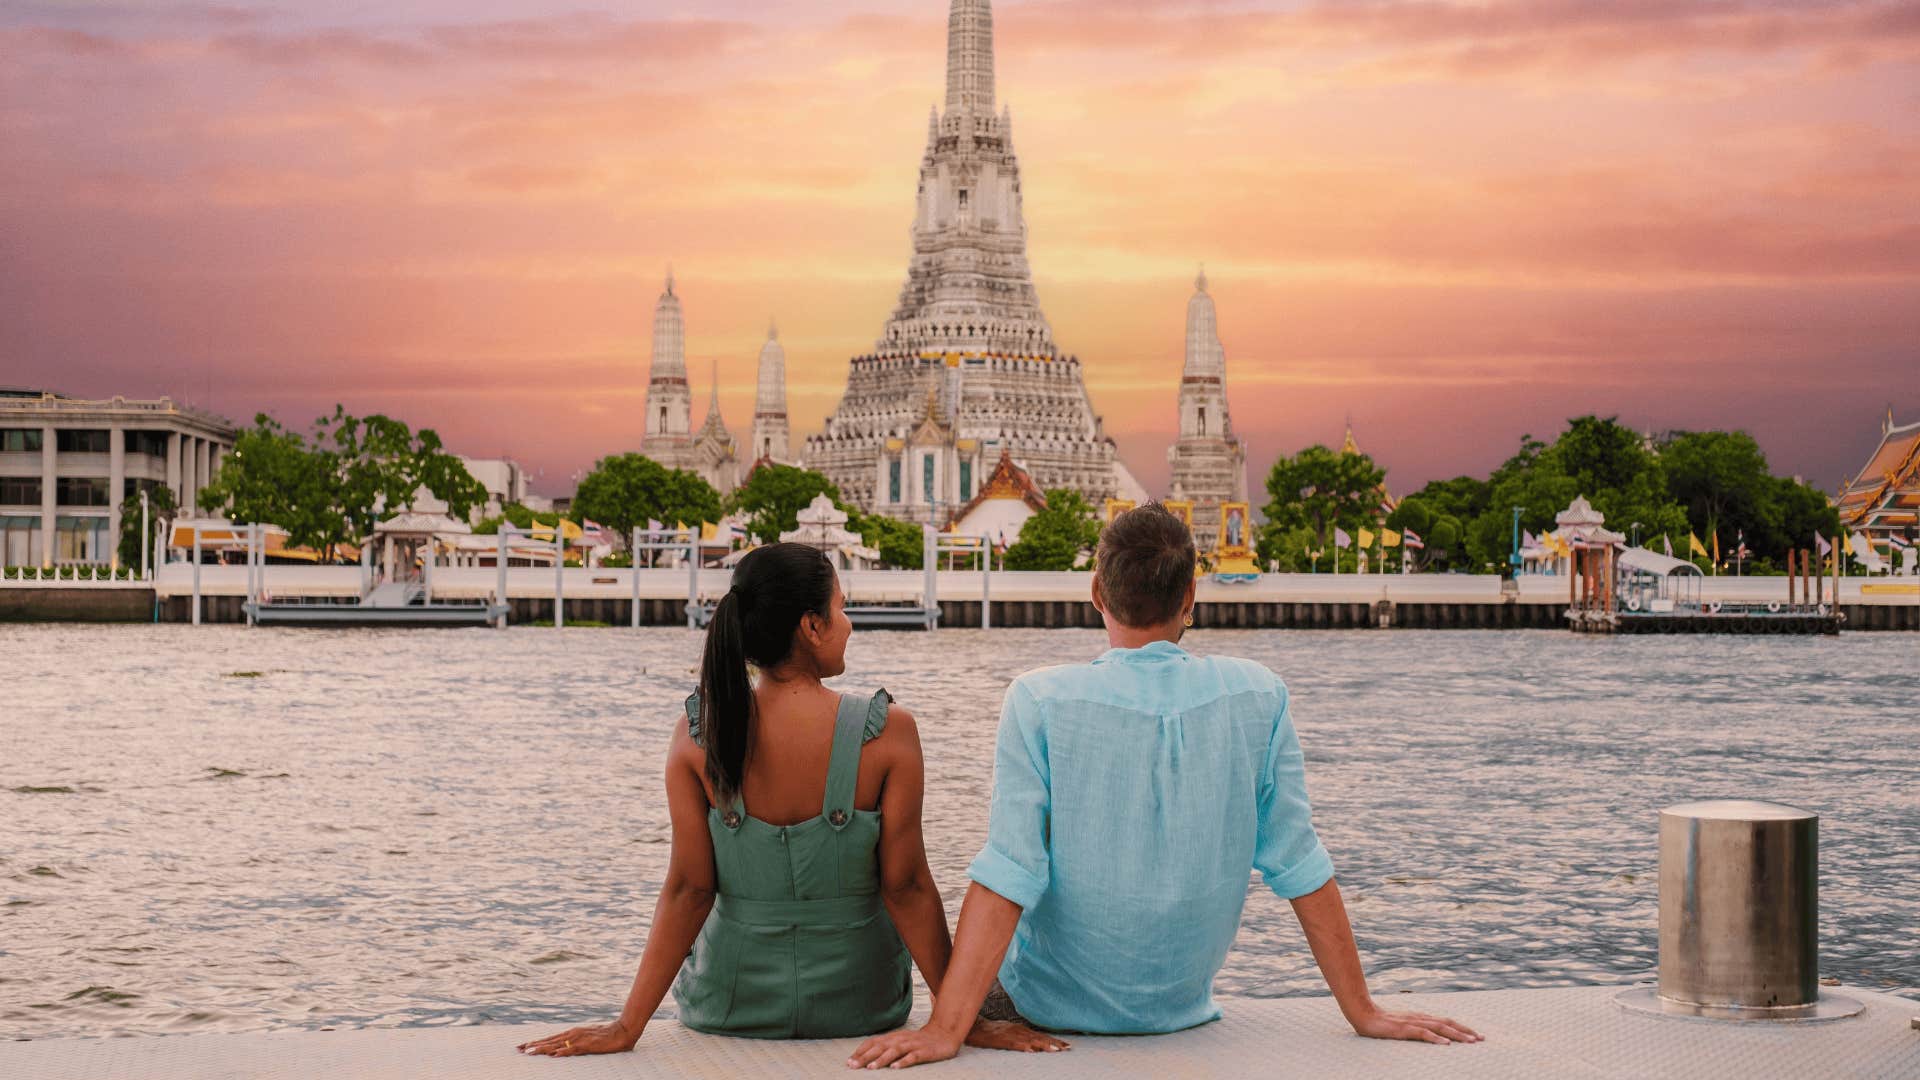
[217, 829]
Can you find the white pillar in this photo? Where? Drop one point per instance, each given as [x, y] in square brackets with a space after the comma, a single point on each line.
[175, 475]
[196, 575]
[500, 572]
[116, 483]
[49, 505]
[203, 458]
[559, 572]
[693, 578]
[633, 568]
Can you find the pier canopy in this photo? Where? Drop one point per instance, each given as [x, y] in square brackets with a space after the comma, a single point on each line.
[403, 541]
[1640, 560]
[1652, 582]
[824, 526]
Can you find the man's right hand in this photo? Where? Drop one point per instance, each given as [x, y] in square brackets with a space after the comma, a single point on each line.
[1378, 1023]
[1013, 1035]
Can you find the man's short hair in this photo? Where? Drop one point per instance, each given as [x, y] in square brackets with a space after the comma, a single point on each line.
[1145, 563]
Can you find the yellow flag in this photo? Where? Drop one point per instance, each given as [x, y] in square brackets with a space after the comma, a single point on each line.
[1366, 539]
[708, 530]
[1695, 547]
[1389, 538]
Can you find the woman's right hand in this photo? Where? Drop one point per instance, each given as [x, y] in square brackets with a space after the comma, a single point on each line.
[611, 1038]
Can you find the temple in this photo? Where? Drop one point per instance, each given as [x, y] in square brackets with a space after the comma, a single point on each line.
[1209, 461]
[771, 437]
[966, 369]
[1882, 502]
[670, 438]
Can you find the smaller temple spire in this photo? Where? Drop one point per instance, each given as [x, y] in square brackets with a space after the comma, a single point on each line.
[1200, 283]
[773, 329]
[713, 397]
[669, 279]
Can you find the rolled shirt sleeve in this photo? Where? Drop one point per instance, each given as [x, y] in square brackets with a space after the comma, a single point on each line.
[1287, 851]
[1015, 862]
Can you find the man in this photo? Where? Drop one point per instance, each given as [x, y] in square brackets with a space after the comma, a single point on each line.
[1130, 798]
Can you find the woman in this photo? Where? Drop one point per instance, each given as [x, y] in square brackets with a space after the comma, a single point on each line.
[796, 827]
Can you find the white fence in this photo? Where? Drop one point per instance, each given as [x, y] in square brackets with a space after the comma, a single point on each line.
[908, 586]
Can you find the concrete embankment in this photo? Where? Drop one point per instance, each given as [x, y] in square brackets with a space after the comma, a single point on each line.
[1274, 601]
[127, 603]
[1577, 1032]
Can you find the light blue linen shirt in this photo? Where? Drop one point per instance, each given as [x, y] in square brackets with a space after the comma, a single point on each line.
[1131, 797]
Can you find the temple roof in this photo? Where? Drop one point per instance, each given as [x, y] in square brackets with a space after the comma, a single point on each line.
[1890, 478]
[1007, 481]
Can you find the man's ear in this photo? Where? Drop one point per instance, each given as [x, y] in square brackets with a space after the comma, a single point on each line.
[1097, 604]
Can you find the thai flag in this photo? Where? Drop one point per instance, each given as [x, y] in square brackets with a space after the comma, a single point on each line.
[1669, 543]
[1528, 540]
[1340, 537]
[1899, 543]
[1821, 545]
[1412, 539]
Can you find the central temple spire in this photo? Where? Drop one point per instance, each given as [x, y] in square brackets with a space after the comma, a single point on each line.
[970, 56]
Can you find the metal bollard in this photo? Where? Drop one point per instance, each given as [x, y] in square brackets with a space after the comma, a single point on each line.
[1739, 915]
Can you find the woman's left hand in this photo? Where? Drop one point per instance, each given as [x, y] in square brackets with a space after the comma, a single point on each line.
[591, 1039]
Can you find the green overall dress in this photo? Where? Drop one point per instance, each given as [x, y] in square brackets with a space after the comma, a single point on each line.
[798, 945]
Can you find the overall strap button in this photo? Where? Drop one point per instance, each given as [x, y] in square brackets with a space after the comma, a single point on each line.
[838, 817]
[730, 819]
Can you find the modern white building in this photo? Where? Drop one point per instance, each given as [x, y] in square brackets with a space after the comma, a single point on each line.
[504, 479]
[67, 465]
[967, 367]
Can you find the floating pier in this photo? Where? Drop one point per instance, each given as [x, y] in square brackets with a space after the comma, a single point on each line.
[1578, 1033]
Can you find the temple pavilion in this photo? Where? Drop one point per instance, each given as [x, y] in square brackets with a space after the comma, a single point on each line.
[1882, 502]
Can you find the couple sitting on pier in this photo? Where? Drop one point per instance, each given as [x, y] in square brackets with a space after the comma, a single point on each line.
[1131, 795]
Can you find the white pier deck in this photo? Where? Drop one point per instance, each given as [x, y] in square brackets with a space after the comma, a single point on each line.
[1571, 1033]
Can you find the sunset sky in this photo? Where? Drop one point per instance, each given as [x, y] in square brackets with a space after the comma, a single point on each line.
[1454, 222]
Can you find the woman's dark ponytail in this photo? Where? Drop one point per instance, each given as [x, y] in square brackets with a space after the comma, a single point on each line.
[774, 587]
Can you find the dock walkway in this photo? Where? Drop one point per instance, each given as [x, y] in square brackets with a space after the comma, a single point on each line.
[1571, 1033]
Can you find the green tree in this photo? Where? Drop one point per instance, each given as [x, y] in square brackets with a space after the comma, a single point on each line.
[1290, 550]
[274, 476]
[774, 495]
[1723, 481]
[626, 491]
[1054, 538]
[1596, 457]
[383, 464]
[1433, 519]
[337, 487]
[899, 543]
[517, 515]
[160, 511]
[1320, 490]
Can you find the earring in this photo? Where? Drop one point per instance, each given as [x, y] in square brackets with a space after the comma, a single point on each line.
[1189, 618]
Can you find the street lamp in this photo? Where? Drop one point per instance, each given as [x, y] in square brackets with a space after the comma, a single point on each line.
[1636, 526]
[146, 544]
[1514, 559]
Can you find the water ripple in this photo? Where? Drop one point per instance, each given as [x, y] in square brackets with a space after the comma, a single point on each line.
[217, 829]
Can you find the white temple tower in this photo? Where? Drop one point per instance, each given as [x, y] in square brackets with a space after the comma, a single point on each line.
[966, 366]
[713, 454]
[770, 432]
[1209, 461]
[669, 402]
[670, 439]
